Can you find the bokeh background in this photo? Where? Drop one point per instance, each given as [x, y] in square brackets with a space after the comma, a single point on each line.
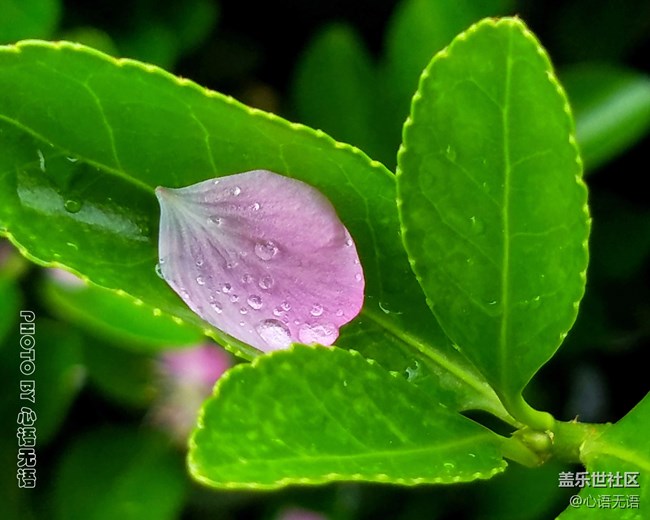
[117, 391]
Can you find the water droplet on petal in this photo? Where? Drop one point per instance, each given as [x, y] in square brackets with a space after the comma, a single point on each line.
[255, 206]
[199, 261]
[339, 313]
[275, 333]
[246, 278]
[316, 310]
[235, 191]
[72, 206]
[358, 277]
[254, 301]
[243, 310]
[226, 288]
[200, 280]
[214, 220]
[349, 242]
[285, 306]
[316, 334]
[159, 271]
[234, 298]
[266, 282]
[216, 307]
[266, 249]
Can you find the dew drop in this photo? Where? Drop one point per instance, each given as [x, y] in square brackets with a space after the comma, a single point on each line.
[246, 278]
[226, 288]
[477, 225]
[234, 298]
[450, 152]
[216, 307]
[266, 282]
[316, 310]
[235, 191]
[72, 206]
[72, 159]
[214, 220]
[41, 161]
[316, 333]
[200, 280]
[348, 242]
[278, 312]
[285, 306]
[159, 270]
[275, 333]
[358, 277]
[339, 313]
[254, 301]
[243, 310]
[255, 206]
[266, 249]
[199, 262]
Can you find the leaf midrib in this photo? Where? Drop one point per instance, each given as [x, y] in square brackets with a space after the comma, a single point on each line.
[431, 354]
[382, 454]
[505, 215]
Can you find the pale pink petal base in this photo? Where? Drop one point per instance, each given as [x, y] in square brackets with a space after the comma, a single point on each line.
[262, 257]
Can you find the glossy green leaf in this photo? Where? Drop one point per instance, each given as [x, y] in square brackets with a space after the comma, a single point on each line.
[28, 19]
[110, 315]
[119, 473]
[622, 448]
[335, 89]
[612, 109]
[492, 203]
[77, 178]
[417, 30]
[316, 414]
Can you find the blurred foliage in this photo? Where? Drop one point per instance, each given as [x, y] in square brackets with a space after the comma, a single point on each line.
[349, 68]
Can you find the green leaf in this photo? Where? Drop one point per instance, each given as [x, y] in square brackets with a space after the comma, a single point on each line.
[417, 30]
[492, 203]
[28, 19]
[77, 180]
[612, 108]
[623, 447]
[335, 88]
[314, 414]
[112, 316]
[119, 473]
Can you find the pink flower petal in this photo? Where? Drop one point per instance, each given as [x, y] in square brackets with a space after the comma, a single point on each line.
[262, 257]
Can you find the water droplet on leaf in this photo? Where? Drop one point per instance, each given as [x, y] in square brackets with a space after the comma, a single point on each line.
[72, 206]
